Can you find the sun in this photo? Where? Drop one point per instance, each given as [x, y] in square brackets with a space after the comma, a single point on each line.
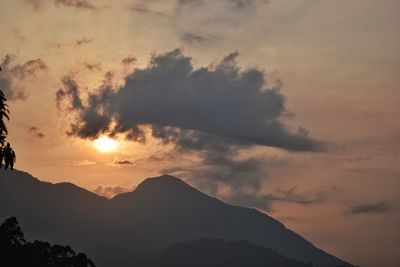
[105, 144]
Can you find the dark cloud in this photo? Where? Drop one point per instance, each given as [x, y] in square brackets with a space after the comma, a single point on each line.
[213, 112]
[242, 3]
[190, 2]
[128, 60]
[12, 75]
[237, 5]
[370, 208]
[93, 66]
[192, 39]
[220, 161]
[83, 41]
[172, 97]
[78, 4]
[293, 196]
[110, 191]
[265, 201]
[71, 91]
[77, 43]
[144, 9]
[123, 162]
[36, 132]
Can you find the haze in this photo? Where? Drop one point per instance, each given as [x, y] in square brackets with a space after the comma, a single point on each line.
[300, 119]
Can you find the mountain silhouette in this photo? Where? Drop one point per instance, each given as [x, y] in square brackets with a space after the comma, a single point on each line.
[161, 211]
[217, 253]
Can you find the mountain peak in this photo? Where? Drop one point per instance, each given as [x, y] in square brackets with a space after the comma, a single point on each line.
[163, 187]
[164, 182]
[165, 179]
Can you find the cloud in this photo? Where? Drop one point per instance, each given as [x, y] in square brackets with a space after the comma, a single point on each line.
[227, 12]
[193, 39]
[36, 132]
[250, 200]
[93, 66]
[110, 191]
[242, 3]
[77, 43]
[370, 208]
[220, 161]
[36, 4]
[71, 91]
[265, 201]
[190, 2]
[123, 162]
[13, 75]
[83, 41]
[129, 60]
[172, 98]
[292, 196]
[214, 113]
[78, 4]
[144, 9]
[85, 162]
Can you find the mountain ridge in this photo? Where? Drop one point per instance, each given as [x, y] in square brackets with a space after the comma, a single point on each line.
[159, 211]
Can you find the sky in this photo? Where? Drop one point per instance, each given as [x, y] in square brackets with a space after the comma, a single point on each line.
[291, 107]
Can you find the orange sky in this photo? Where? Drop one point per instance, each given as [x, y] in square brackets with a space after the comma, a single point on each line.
[337, 63]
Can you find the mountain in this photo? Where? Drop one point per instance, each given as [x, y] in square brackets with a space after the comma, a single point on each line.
[161, 211]
[217, 253]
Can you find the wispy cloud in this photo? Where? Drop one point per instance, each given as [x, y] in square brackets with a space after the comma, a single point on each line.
[112, 190]
[370, 208]
[129, 60]
[292, 195]
[93, 66]
[78, 4]
[85, 162]
[143, 8]
[36, 132]
[193, 39]
[83, 41]
[123, 162]
[36, 4]
[13, 75]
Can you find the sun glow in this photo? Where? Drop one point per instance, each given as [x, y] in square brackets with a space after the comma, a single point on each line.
[105, 144]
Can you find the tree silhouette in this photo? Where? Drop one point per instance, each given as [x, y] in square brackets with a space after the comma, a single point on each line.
[16, 252]
[7, 154]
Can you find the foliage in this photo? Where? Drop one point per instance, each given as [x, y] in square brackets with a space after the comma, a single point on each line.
[15, 251]
[7, 154]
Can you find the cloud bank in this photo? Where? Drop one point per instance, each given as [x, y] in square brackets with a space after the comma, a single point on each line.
[172, 97]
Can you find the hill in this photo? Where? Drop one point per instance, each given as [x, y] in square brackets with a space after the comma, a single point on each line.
[161, 211]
